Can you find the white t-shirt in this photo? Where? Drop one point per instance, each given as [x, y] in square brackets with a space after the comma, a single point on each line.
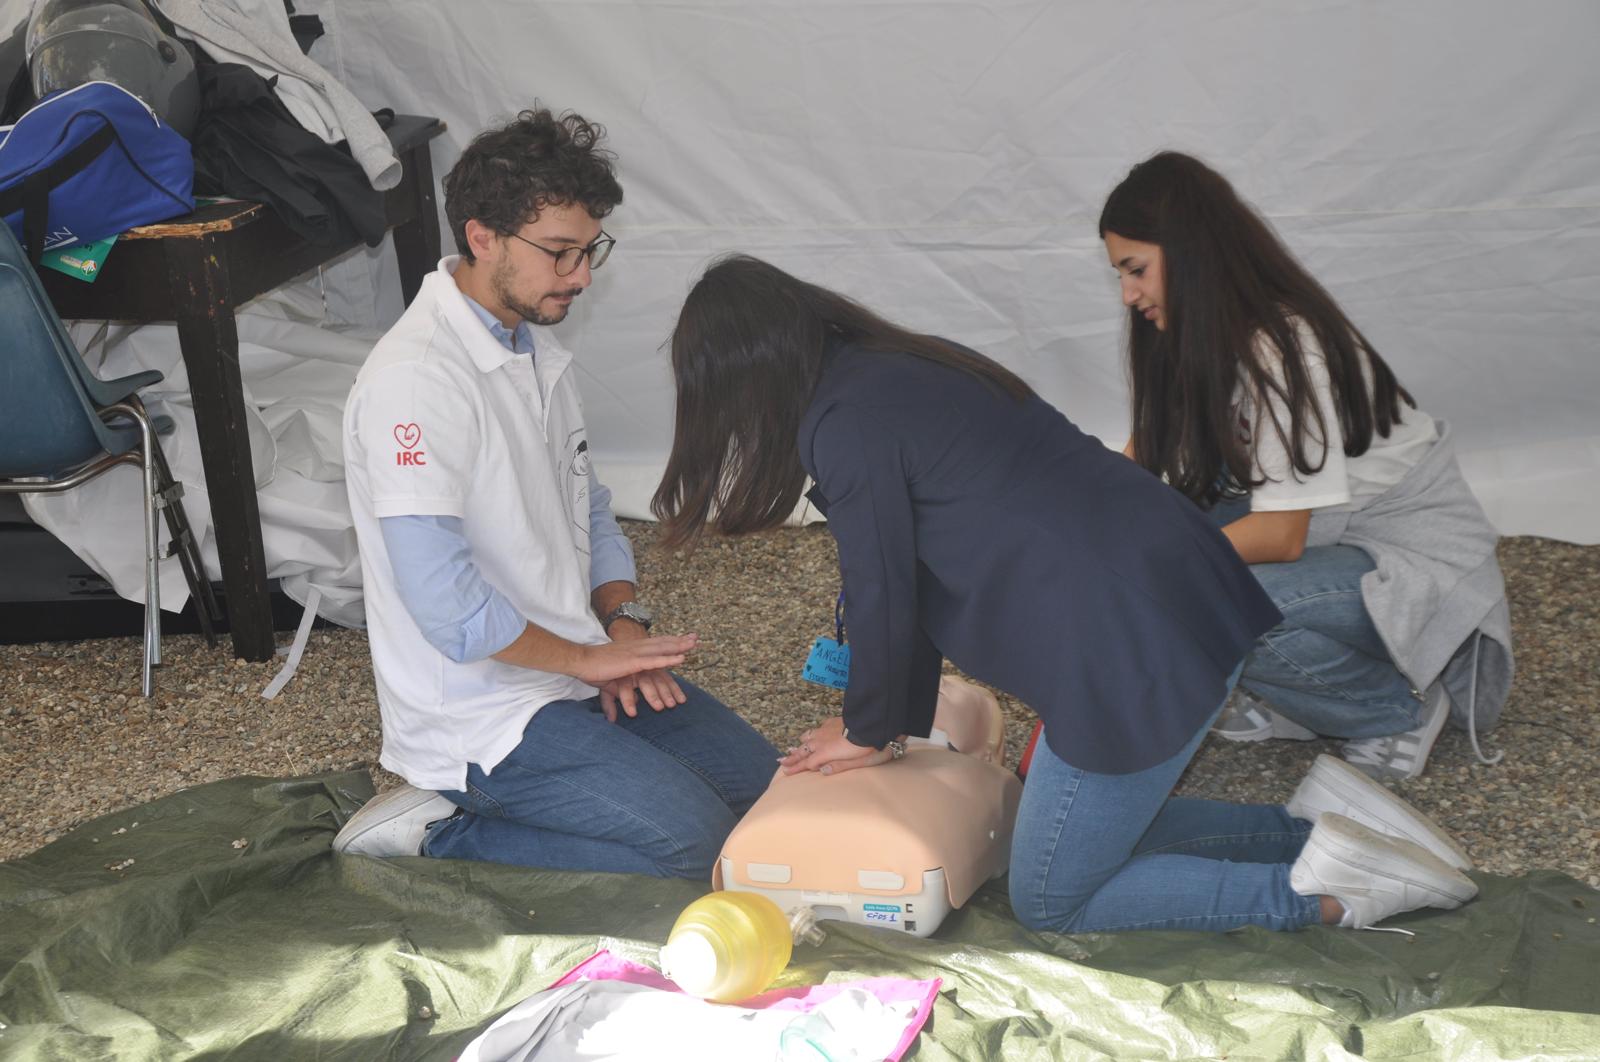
[443, 420]
[1342, 481]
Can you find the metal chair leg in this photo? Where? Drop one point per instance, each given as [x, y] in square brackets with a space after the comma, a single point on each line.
[152, 575]
[188, 551]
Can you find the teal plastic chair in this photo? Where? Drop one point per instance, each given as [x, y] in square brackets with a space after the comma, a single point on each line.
[60, 426]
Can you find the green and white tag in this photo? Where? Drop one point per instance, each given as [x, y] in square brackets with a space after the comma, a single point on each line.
[83, 261]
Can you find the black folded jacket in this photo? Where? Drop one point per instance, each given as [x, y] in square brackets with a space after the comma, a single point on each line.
[247, 145]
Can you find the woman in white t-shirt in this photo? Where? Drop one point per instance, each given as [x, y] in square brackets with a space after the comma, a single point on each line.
[1254, 395]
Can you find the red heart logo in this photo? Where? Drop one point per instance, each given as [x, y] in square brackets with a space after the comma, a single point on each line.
[407, 435]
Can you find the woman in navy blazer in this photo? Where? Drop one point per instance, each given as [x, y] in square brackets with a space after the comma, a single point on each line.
[976, 523]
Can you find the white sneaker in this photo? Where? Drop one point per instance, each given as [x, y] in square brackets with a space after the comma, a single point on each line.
[1404, 755]
[393, 823]
[1372, 876]
[1333, 785]
[1245, 717]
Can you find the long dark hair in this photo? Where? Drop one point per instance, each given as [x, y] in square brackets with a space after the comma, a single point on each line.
[1229, 284]
[747, 353]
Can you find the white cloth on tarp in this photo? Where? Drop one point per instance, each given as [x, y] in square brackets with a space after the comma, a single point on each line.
[589, 1020]
[296, 373]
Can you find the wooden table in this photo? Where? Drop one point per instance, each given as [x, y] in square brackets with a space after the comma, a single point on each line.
[197, 270]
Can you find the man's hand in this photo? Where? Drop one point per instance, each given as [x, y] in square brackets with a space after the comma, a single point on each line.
[599, 664]
[657, 685]
[827, 751]
[541, 650]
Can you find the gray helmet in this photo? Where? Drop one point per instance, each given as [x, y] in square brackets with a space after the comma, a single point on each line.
[71, 42]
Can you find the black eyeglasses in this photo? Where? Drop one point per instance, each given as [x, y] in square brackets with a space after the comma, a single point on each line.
[568, 259]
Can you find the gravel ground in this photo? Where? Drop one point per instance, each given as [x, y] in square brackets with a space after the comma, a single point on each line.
[77, 741]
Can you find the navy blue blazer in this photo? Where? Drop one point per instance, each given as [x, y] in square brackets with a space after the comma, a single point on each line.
[997, 534]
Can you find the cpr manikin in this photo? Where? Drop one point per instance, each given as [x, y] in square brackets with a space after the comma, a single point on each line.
[897, 846]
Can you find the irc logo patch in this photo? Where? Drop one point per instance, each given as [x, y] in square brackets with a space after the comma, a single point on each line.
[409, 436]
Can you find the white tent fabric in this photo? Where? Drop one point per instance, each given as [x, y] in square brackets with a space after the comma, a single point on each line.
[1435, 163]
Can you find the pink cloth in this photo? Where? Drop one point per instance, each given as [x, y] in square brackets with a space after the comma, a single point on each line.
[604, 966]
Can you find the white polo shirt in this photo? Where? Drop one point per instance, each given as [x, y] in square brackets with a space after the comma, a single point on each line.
[443, 420]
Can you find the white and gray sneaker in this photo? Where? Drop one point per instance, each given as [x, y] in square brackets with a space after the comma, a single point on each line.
[1245, 717]
[393, 823]
[1333, 785]
[1405, 755]
[1372, 876]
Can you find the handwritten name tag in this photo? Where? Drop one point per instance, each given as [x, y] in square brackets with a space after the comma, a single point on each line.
[828, 664]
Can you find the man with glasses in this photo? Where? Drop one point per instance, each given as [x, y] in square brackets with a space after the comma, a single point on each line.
[523, 700]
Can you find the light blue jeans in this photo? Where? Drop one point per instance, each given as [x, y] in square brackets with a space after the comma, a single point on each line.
[1107, 852]
[1324, 666]
[655, 794]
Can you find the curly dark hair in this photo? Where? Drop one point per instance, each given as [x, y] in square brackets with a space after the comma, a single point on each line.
[508, 174]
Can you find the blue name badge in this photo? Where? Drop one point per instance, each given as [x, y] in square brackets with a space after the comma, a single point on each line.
[828, 664]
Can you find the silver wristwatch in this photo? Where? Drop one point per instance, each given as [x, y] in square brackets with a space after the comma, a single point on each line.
[631, 610]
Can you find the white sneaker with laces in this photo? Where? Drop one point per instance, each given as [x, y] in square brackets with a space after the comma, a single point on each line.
[393, 823]
[1405, 755]
[1372, 876]
[1245, 717]
[1333, 785]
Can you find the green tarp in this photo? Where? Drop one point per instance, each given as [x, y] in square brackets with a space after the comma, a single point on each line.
[221, 926]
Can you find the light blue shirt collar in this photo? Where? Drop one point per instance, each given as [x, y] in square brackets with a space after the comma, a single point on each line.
[518, 342]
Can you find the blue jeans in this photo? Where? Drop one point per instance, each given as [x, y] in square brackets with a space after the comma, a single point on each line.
[654, 794]
[1324, 666]
[1106, 852]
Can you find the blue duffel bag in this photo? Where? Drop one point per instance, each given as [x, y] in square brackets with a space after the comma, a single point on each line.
[87, 163]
